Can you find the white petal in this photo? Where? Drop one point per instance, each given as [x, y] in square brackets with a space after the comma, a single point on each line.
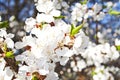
[69, 53]
[117, 42]
[44, 18]
[55, 13]
[19, 45]
[30, 21]
[8, 74]
[3, 33]
[10, 43]
[10, 35]
[64, 60]
[2, 64]
[43, 71]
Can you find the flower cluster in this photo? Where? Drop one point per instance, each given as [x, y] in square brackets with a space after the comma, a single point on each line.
[102, 73]
[48, 41]
[82, 12]
[6, 50]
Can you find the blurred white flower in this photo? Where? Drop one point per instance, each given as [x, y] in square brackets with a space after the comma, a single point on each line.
[44, 6]
[117, 42]
[11, 18]
[79, 12]
[102, 73]
[97, 7]
[100, 16]
[109, 4]
[115, 53]
[0, 18]
[72, 64]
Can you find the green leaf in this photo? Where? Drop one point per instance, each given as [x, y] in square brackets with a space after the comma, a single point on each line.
[18, 62]
[34, 78]
[114, 12]
[118, 47]
[102, 71]
[84, 2]
[95, 36]
[9, 54]
[104, 6]
[4, 24]
[60, 17]
[72, 27]
[75, 30]
[5, 48]
[93, 73]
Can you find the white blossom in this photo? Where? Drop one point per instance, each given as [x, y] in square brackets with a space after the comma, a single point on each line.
[117, 42]
[29, 22]
[44, 18]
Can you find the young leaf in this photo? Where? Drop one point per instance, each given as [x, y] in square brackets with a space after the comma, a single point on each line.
[59, 17]
[93, 73]
[9, 54]
[72, 27]
[118, 47]
[75, 30]
[84, 2]
[5, 48]
[114, 12]
[34, 78]
[4, 24]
